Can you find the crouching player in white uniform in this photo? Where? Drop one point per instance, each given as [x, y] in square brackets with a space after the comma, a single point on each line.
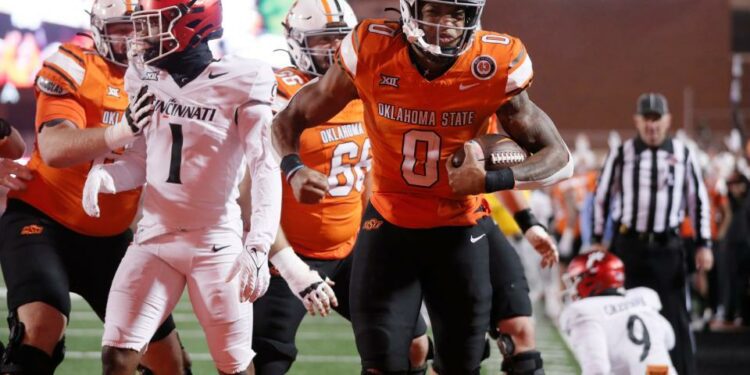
[611, 330]
[199, 118]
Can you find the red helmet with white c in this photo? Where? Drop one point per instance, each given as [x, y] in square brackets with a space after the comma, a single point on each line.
[163, 27]
[592, 273]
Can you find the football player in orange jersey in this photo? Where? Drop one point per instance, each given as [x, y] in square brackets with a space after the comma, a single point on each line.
[316, 240]
[428, 85]
[12, 147]
[48, 245]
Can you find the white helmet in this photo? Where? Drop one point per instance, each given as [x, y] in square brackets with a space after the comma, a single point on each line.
[104, 13]
[308, 18]
[413, 25]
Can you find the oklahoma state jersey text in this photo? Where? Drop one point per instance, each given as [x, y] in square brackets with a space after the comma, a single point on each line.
[415, 124]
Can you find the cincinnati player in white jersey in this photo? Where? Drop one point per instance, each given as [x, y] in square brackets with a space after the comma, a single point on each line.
[204, 118]
[613, 331]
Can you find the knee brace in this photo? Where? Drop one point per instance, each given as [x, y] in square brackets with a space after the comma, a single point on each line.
[23, 359]
[506, 345]
[526, 363]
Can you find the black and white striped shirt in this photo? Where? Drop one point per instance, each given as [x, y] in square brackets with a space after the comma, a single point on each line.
[649, 189]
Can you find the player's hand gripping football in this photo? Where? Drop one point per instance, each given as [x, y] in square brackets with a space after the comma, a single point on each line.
[308, 185]
[314, 292]
[98, 181]
[468, 178]
[543, 244]
[137, 116]
[251, 266]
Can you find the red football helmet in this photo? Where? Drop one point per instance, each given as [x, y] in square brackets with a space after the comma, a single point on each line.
[163, 27]
[592, 273]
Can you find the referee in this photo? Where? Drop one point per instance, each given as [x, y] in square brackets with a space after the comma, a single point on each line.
[646, 186]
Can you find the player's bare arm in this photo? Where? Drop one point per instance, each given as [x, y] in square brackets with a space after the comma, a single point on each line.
[533, 130]
[12, 145]
[532, 229]
[529, 126]
[306, 284]
[315, 103]
[63, 144]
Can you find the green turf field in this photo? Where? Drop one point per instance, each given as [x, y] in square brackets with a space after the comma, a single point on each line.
[326, 345]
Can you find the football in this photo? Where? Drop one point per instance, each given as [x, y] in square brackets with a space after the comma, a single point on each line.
[500, 151]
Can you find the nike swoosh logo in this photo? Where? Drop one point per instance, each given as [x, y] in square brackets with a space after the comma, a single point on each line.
[463, 87]
[475, 239]
[215, 249]
[211, 75]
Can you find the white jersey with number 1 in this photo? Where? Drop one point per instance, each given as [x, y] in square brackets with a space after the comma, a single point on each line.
[196, 148]
[622, 335]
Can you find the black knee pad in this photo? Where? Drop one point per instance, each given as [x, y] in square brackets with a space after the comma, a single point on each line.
[506, 345]
[28, 360]
[526, 363]
[19, 358]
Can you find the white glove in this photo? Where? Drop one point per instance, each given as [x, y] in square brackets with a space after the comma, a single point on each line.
[543, 244]
[314, 292]
[137, 117]
[252, 267]
[98, 181]
[566, 242]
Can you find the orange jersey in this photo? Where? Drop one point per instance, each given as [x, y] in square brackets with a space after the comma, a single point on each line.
[416, 124]
[575, 188]
[340, 150]
[78, 85]
[719, 199]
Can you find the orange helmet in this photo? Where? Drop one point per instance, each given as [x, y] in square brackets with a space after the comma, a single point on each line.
[163, 27]
[592, 273]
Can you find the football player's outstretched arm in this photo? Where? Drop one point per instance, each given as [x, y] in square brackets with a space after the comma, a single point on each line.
[307, 284]
[315, 103]
[63, 143]
[533, 230]
[528, 125]
[12, 145]
[126, 173]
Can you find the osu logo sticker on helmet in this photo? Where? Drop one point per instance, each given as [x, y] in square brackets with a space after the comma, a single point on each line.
[484, 67]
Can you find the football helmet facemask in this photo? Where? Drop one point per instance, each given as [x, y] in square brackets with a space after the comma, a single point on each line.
[105, 14]
[438, 38]
[307, 19]
[163, 27]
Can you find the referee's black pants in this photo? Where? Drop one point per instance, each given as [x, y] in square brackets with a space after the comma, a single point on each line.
[660, 265]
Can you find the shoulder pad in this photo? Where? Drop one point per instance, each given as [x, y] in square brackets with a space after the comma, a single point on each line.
[649, 296]
[249, 80]
[69, 63]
